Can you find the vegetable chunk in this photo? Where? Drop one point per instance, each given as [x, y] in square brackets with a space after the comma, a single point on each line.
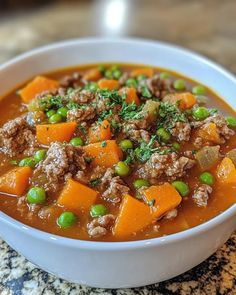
[148, 72]
[133, 217]
[106, 153]
[130, 95]
[37, 86]
[108, 84]
[162, 198]
[209, 133]
[48, 133]
[100, 133]
[15, 181]
[76, 196]
[226, 172]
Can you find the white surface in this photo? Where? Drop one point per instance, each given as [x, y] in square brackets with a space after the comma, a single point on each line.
[123, 264]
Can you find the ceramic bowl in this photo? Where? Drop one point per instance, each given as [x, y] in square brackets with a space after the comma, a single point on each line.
[120, 264]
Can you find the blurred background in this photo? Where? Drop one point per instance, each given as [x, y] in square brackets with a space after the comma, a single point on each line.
[206, 26]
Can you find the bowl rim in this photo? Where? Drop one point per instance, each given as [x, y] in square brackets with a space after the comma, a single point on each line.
[123, 245]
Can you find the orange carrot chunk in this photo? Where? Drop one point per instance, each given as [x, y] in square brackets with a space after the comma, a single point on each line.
[38, 85]
[133, 216]
[15, 181]
[92, 75]
[226, 172]
[76, 196]
[106, 153]
[163, 198]
[210, 133]
[148, 72]
[130, 95]
[108, 84]
[48, 133]
[187, 100]
[100, 133]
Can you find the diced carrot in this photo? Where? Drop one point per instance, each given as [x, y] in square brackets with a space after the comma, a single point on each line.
[164, 198]
[226, 172]
[100, 133]
[210, 133]
[106, 153]
[92, 75]
[48, 133]
[15, 181]
[76, 196]
[108, 84]
[130, 95]
[148, 72]
[133, 216]
[38, 85]
[184, 100]
[187, 100]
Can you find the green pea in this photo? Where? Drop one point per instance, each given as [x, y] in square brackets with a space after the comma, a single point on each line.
[164, 75]
[207, 178]
[77, 141]
[179, 84]
[40, 155]
[163, 134]
[231, 122]
[141, 78]
[131, 83]
[176, 146]
[63, 111]
[199, 90]
[50, 113]
[98, 210]
[126, 144]
[181, 187]
[92, 86]
[56, 118]
[117, 74]
[108, 74]
[66, 219]
[138, 183]
[102, 68]
[27, 162]
[122, 169]
[36, 195]
[200, 113]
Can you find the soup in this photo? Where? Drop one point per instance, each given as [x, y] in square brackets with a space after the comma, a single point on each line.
[116, 153]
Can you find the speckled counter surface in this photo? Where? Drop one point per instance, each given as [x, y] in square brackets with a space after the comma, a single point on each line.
[207, 26]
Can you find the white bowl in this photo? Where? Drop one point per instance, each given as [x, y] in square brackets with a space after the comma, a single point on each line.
[121, 264]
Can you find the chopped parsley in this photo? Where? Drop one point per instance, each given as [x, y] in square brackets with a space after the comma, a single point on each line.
[95, 182]
[104, 143]
[131, 111]
[169, 114]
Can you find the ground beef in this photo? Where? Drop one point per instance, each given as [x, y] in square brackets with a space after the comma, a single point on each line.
[62, 162]
[70, 80]
[17, 137]
[177, 166]
[113, 187]
[201, 195]
[132, 131]
[99, 227]
[171, 165]
[158, 87]
[81, 97]
[124, 78]
[181, 131]
[171, 214]
[80, 115]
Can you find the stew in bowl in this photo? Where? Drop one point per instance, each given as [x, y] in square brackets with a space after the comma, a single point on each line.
[116, 153]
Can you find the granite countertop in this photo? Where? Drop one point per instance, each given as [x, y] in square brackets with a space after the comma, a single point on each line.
[182, 22]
